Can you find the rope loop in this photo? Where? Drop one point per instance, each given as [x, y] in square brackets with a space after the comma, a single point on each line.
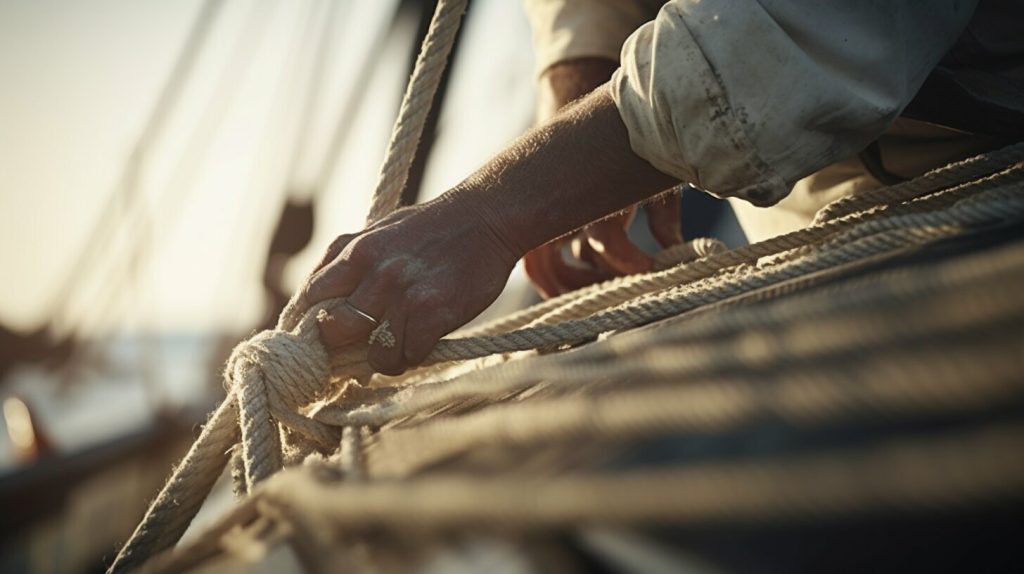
[274, 376]
[294, 370]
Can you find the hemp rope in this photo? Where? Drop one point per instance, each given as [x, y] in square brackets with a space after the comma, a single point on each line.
[300, 381]
[508, 377]
[582, 302]
[276, 352]
[952, 470]
[1001, 204]
[695, 361]
[950, 379]
[278, 373]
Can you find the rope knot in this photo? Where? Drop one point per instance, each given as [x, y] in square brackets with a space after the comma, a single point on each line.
[273, 375]
[293, 370]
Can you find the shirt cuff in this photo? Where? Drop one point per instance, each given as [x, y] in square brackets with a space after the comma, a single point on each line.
[688, 129]
[745, 99]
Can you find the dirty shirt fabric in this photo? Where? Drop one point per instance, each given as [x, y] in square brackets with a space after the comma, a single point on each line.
[747, 99]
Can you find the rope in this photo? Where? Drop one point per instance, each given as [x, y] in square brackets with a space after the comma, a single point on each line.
[272, 375]
[967, 466]
[624, 288]
[277, 374]
[954, 470]
[952, 334]
[1004, 203]
[412, 117]
[952, 174]
[512, 376]
[696, 362]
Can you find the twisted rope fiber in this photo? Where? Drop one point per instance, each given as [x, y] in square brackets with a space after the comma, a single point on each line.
[280, 371]
[412, 117]
[686, 353]
[510, 377]
[349, 363]
[957, 468]
[895, 242]
[692, 338]
[951, 378]
[261, 442]
[952, 174]
[905, 473]
[583, 302]
[987, 268]
[1000, 204]
[953, 344]
[298, 365]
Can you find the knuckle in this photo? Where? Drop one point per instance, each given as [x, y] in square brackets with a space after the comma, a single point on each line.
[361, 249]
[329, 283]
[425, 298]
[339, 243]
[390, 271]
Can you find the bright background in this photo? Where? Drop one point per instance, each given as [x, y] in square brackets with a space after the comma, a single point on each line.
[80, 79]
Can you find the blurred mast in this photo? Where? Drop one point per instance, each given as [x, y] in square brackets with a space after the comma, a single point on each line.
[176, 192]
[127, 259]
[125, 195]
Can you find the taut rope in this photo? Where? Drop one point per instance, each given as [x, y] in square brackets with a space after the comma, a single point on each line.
[275, 372]
[274, 377]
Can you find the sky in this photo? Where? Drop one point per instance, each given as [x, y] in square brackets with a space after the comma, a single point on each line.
[81, 77]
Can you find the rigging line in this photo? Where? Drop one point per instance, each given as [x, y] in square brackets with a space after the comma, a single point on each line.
[314, 90]
[414, 182]
[353, 100]
[180, 188]
[126, 191]
[246, 228]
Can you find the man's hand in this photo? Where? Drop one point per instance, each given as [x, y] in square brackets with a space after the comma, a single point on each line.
[429, 269]
[426, 270]
[603, 249]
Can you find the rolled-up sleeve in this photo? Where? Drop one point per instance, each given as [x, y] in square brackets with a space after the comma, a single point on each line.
[744, 98]
[568, 29]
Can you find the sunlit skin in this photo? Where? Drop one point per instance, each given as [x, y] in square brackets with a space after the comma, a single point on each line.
[430, 268]
[601, 250]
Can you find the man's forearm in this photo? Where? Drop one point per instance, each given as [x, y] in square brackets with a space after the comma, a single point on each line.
[568, 81]
[574, 169]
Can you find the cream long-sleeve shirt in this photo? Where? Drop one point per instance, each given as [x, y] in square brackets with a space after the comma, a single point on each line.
[743, 98]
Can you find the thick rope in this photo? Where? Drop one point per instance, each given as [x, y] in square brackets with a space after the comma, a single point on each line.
[918, 325]
[279, 372]
[419, 97]
[946, 176]
[276, 372]
[967, 307]
[897, 233]
[952, 470]
[623, 288]
[1004, 203]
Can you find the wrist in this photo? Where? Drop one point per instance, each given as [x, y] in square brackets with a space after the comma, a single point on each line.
[471, 205]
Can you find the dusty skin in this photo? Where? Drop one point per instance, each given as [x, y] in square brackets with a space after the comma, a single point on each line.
[430, 268]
